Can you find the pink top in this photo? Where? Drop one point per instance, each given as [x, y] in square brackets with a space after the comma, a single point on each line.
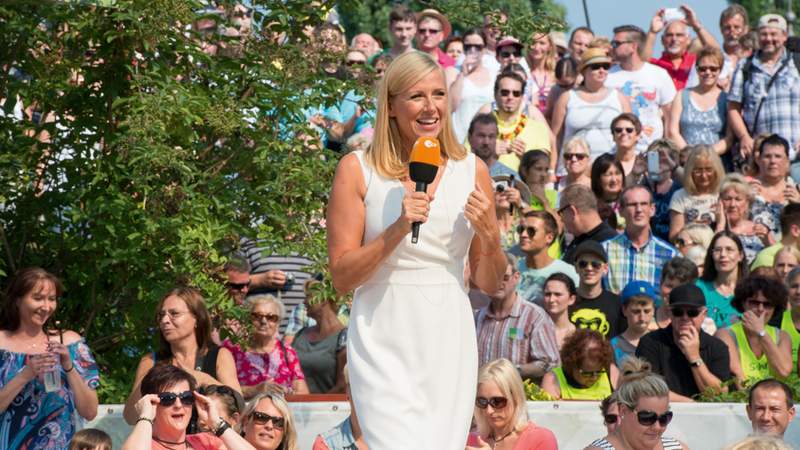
[199, 441]
[280, 366]
[532, 438]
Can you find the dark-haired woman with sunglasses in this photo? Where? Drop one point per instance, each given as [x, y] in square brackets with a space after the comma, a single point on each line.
[588, 110]
[266, 360]
[587, 369]
[501, 414]
[644, 413]
[165, 408]
[268, 424]
[758, 350]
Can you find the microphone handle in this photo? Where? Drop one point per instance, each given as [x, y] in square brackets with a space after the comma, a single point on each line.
[421, 187]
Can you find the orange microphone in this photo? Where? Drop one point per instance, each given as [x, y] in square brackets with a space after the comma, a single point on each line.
[425, 160]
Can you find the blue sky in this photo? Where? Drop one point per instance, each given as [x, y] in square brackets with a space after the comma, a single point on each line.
[604, 15]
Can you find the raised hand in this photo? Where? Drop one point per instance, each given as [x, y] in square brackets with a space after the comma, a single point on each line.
[146, 406]
[481, 215]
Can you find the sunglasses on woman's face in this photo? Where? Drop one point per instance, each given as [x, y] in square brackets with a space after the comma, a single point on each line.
[591, 373]
[268, 317]
[496, 402]
[610, 419]
[648, 418]
[168, 398]
[575, 156]
[629, 130]
[262, 419]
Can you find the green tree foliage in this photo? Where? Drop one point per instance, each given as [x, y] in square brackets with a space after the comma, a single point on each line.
[152, 158]
[757, 8]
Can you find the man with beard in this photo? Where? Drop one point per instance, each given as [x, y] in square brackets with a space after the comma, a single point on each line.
[482, 136]
[765, 90]
[519, 331]
[517, 133]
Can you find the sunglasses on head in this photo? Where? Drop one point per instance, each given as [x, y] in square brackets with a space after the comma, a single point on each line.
[237, 286]
[262, 419]
[531, 231]
[595, 264]
[648, 418]
[609, 419]
[684, 312]
[629, 130]
[496, 402]
[510, 54]
[604, 66]
[507, 92]
[168, 398]
[269, 317]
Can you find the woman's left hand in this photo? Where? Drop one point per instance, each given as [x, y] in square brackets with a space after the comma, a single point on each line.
[480, 214]
[753, 322]
[482, 445]
[791, 194]
[63, 353]
[206, 409]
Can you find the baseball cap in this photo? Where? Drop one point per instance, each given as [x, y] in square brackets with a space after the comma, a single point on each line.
[687, 295]
[506, 41]
[591, 247]
[559, 39]
[773, 21]
[638, 287]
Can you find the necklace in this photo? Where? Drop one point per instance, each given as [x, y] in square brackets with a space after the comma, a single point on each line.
[523, 120]
[497, 441]
[165, 442]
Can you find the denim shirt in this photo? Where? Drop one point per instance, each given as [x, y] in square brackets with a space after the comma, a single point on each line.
[340, 437]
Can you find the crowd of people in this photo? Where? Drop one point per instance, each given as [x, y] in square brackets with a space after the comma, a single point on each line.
[647, 214]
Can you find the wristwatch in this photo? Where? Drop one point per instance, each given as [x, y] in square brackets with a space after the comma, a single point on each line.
[762, 333]
[222, 425]
[696, 363]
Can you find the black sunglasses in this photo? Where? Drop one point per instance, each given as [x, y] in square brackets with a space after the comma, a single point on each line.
[615, 44]
[681, 312]
[629, 130]
[608, 419]
[354, 62]
[584, 264]
[604, 66]
[648, 418]
[531, 231]
[262, 419]
[168, 398]
[496, 402]
[507, 92]
[237, 286]
[269, 317]
[510, 54]
[591, 373]
[468, 47]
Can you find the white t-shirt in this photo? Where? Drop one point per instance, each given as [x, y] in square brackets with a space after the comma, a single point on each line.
[647, 89]
[695, 208]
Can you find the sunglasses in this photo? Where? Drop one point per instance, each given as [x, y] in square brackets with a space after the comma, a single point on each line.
[510, 54]
[595, 264]
[755, 304]
[629, 130]
[609, 419]
[269, 317]
[615, 44]
[604, 66]
[648, 418]
[354, 62]
[237, 286]
[262, 419]
[168, 398]
[708, 69]
[507, 92]
[685, 312]
[591, 373]
[496, 402]
[680, 242]
[575, 156]
[468, 47]
[428, 31]
[531, 231]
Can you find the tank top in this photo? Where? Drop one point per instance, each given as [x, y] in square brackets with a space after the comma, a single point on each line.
[752, 367]
[598, 391]
[472, 98]
[788, 326]
[667, 442]
[592, 122]
[703, 127]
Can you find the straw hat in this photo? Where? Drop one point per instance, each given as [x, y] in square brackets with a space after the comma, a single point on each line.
[446, 27]
[593, 56]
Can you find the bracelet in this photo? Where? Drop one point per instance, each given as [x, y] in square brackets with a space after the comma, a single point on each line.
[140, 419]
[71, 368]
[222, 426]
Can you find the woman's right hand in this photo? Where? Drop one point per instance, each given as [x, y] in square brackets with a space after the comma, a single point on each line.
[482, 445]
[41, 363]
[416, 206]
[146, 406]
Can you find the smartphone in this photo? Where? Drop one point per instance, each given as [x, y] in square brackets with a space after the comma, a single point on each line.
[653, 165]
[673, 14]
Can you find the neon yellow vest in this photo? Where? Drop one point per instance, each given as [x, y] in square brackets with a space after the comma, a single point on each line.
[788, 326]
[598, 391]
[752, 367]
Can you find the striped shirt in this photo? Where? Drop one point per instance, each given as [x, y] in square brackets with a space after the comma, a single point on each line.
[526, 335]
[667, 443]
[626, 263]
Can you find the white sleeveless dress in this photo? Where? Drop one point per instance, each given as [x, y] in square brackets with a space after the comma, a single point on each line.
[412, 352]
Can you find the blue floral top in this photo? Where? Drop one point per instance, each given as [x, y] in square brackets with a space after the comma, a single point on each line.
[38, 420]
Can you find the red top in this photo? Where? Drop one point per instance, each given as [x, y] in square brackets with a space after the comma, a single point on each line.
[532, 438]
[444, 59]
[679, 75]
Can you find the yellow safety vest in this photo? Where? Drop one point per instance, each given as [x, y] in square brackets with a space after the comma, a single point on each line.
[598, 391]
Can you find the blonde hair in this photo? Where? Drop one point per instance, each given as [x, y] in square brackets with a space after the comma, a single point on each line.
[702, 152]
[760, 443]
[638, 381]
[737, 182]
[791, 249]
[258, 299]
[550, 57]
[385, 154]
[289, 441]
[577, 142]
[503, 374]
[700, 233]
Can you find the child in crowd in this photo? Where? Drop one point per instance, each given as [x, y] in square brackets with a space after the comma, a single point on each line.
[638, 307]
[90, 439]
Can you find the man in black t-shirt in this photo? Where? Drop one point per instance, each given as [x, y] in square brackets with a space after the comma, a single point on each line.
[595, 307]
[689, 359]
[577, 207]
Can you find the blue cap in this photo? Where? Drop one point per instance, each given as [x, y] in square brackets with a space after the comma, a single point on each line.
[638, 288]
